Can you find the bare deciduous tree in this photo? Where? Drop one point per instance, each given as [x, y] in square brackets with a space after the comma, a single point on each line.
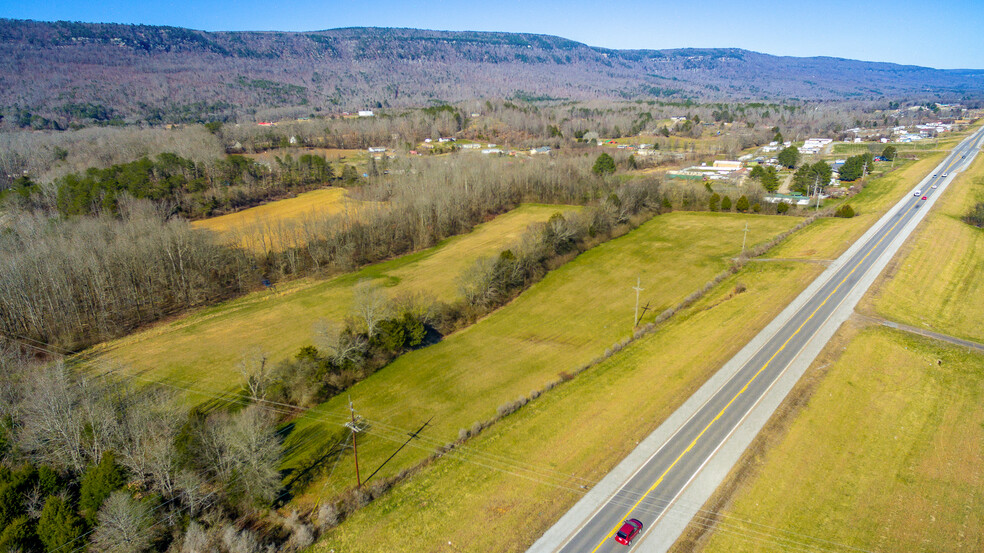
[370, 304]
[52, 426]
[341, 346]
[244, 454]
[257, 373]
[125, 525]
[147, 450]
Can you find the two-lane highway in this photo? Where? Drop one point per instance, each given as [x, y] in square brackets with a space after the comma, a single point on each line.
[657, 483]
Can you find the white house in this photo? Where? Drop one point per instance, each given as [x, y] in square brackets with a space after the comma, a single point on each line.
[365, 113]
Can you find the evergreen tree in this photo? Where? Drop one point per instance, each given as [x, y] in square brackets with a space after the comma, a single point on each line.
[58, 527]
[726, 203]
[713, 202]
[18, 535]
[98, 482]
[789, 157]
[604, 165]
[889, 153]
[742, 204]
[802, 180]
[770, 181]
[854, 167]
[10, 503]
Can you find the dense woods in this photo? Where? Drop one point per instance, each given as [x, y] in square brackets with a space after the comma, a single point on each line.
[101, 463]
[71, 282]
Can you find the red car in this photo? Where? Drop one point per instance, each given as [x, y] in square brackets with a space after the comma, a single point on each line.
[630, 528]
[924, 197]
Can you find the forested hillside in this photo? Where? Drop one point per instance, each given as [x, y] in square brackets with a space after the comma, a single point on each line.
[108, 73]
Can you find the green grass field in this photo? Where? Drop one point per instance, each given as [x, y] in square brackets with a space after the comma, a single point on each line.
[202, 349]
[508, 485]
[885, 456]
[558, 325]
[937, 280]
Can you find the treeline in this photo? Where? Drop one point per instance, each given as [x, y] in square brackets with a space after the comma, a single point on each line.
[381, 327]
[428, 201]
[93, 463]
[189, 188]
[46, 156]
[80, 280]
[73, 282]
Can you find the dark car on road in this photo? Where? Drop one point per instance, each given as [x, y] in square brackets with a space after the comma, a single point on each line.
[630, 528]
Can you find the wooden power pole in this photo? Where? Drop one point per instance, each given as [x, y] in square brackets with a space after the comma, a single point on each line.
[355, 450]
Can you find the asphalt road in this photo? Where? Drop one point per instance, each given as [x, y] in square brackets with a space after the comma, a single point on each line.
[657, 482]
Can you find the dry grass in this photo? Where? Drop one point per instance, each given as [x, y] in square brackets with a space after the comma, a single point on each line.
[330, 154]
[203, 348]
[894, 433]
[937, 280]
[257, 228]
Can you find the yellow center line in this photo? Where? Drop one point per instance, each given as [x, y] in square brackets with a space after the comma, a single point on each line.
[747, 384]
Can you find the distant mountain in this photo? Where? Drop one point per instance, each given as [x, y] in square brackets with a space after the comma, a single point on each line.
[57, 73]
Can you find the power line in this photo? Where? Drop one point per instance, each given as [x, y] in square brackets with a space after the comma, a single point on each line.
[512, 467]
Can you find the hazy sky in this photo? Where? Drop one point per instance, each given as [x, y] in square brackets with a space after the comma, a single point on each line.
[940, 33]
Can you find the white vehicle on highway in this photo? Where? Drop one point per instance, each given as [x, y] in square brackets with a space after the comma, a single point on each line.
[945, 174]
[934, 186]
[917, 192]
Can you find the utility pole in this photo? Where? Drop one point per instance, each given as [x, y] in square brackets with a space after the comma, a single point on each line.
[637, 289]
[355, 430]
[743, 239]
[817, 180]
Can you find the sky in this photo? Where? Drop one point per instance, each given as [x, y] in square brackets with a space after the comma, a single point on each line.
[943, 33]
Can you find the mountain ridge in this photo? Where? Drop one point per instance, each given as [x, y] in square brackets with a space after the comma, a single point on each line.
[165, 74]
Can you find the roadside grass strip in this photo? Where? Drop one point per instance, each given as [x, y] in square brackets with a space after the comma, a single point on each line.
[937, 280]
[885, 455]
